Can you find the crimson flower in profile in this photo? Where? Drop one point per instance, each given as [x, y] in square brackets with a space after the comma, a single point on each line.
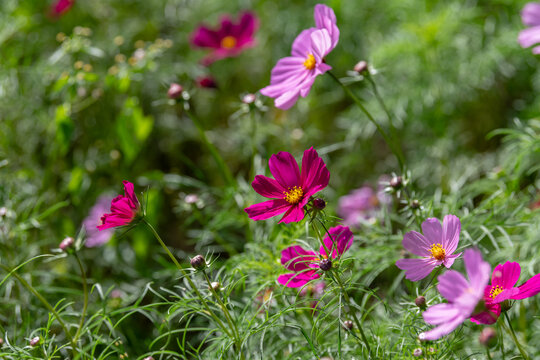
[304, 264]
[436, 247]
[291, 189]
[502, 288]
[463, 296]
[294, 75]
[60, 7]
[530, 15]
[229, 39]
[124, 208]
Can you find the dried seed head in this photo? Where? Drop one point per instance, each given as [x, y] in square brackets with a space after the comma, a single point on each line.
[415, 204]
[420, 302]
[175, 91]
[347, 324]
[325, 264]
[488, 337]
[66, 243]
[319, 204]
[198, 262]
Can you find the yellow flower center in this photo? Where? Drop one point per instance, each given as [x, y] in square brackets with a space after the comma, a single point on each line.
[228, 42]
[437, 252]
[496, 290]
[310, 62]
[294, 195]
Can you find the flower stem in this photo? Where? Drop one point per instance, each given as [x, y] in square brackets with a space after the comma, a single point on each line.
[49, 307]
[488, 354]
[185, 275]
[396, 149]
[518, 344]
[223, 168]
[85, 303]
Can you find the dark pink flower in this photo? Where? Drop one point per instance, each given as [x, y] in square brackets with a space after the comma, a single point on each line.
[530, 15]
[305, 263]
[502, 288]
[293, 76]
[291, 188]
[207, 82]
[124, 208]
[229, 39]
[463, 296]
[60, 7]
[436, 247]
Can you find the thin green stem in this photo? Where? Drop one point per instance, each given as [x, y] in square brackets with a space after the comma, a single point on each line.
[49, 307]
[488, 354]
[85, 303]
[223, 168]
[435, 273]
[185, 275]
[383, 105]
[518, 344]
[393, 147]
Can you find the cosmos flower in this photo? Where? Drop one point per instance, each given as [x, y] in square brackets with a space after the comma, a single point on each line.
[361, 204]
[124, 208]
[94, 237]
[436, 247]
[530, 15]
[291, 188]
[304, 264]
[60, 7]
[463, 296]
[294, 75]
[502, 288]
[229, 39]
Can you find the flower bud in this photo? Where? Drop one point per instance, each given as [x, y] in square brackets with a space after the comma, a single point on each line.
[396, 182]
[360, 67]
[198, 262]
[3, 211]
[248, 99]
[420, 302]
[207, 82]
[148, 358]
[216, 286]
[415, 204]
[319, 204]
[35, 341]
[417, 352]
[1, 341]
[488, 337]
[325, 264]
[175, 91]
[66, 243]
[347, 324]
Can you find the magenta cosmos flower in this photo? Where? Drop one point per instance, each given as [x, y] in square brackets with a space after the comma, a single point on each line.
[60, 7]
[530, 15]
[502, 288]
[124, 208]
[293, 76]
[436, 247]
[462, 296]
[305, 263]
[230, 39]
[291, 188]
[95, 237]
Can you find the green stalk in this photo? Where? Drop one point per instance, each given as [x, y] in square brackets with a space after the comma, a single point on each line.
[395, 149]
[488, 354]
[85, 304]
[518, 344]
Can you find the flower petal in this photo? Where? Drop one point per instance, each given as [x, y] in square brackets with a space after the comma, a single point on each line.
[294, 214]
[416, 243]
[315, 176]
[506, 275]
[530, 288]
[325, 18]
[321, 44]
[267, 209]
[301, 46]
[432, 230]
[477, 269]
[442, 330]
[416, 269]
[450, 233]
[295, 280]
[530, 15]
[268, 187]
[529, 37]
[341, 241]
[285, 169]
[449, 260]
[452, 284]
[296, 258]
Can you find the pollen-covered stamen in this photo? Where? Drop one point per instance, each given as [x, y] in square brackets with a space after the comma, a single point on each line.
[294, 195]
[495, 290]
[437, 252]
[228, 42]
[310, 62]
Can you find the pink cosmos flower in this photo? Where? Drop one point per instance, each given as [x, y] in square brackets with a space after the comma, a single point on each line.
[305, 263]
[502, 288]
[530, 15]
[361, 205]
[435, 247]
[463, 296]
[291, 188]
[229, 40]
[293, 76]
[60, 7]
[95, 237]
[124, 208]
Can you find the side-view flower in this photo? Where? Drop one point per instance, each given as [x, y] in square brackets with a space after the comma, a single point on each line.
[124, 209]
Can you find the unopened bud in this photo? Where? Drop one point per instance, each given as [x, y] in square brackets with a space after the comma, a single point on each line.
[198, 262]
[396, 182]
[3, 211]
[216, 286]
[148, 358]
[420, 302]
[348, 324]
[325, 264]
[175, 91]
[206, 82]
[488, 337]
[415, 204]
[417, 352]
[34, 341]
[66, 243]
[319, 204]
[248, 98]
[360, 67]
[1, 341]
